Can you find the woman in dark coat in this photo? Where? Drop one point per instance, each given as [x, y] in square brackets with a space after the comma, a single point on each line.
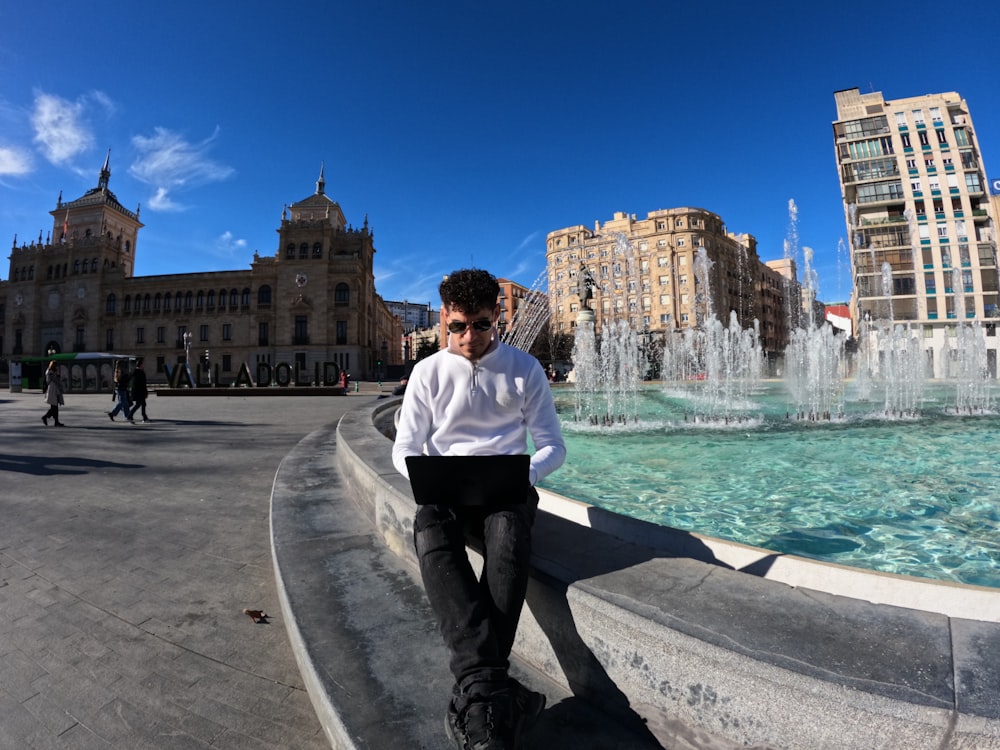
[53, 394]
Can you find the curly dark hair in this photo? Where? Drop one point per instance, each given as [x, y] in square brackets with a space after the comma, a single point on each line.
[469, 290]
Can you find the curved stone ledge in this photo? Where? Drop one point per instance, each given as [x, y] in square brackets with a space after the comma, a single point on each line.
[683, 632]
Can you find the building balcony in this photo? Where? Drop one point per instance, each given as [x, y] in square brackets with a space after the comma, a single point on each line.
[865, 222]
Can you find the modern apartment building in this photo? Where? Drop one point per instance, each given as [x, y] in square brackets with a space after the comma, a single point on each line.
[646, 271]
[921, 225]
[311, 303]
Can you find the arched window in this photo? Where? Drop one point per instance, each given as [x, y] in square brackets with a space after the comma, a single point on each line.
[222, 299]
[76, 266]
[31, 272]
[342, 295]
[93, 266]
[234, 299]
[167, 299]
[157, 301]
[264, 296]
[304, 250]
[128, 246]
[317, 250]
[200, 300]
[245, 299]
[290, 250]
[127, 307]
[17, 274]
[178, 301]
[188, 301]
[48, 273]
[111, 305]
[211, 299]
[145, 304]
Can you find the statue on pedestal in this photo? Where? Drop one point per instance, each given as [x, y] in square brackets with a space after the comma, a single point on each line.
[585, 286]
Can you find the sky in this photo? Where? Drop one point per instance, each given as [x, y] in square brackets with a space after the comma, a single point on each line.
[464, 131]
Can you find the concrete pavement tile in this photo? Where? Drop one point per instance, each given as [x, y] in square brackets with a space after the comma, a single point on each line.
[189, 668]
[18, 674]
[113, 594]
[232, 740]
[86, 645]
[79, 737]
[149, 574]
[123, 719]
[236, 720]
[77, 694]
[122, 724]
[49, 713]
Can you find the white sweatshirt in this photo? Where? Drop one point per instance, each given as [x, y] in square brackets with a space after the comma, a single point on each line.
[454, 407]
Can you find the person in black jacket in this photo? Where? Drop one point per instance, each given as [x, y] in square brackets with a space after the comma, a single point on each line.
[138, 391]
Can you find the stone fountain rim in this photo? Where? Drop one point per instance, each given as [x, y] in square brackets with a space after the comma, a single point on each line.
[950, 598]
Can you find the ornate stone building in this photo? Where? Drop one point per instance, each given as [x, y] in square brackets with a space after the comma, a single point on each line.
[644, 271]
[311, 304]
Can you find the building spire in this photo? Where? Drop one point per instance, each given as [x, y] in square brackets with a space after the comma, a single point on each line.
[321, 182]
[102, 182]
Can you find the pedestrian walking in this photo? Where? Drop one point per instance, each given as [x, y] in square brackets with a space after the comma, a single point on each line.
[120, 393]
[138, 392]
[53, 394]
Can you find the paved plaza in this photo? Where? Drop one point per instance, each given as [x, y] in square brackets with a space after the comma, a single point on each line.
[127, 555]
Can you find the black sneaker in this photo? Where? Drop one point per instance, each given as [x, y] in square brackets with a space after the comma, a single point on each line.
[481, 725]
[526, 707]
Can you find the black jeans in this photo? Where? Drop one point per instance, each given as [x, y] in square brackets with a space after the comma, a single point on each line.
[136, 406]
[477, 618]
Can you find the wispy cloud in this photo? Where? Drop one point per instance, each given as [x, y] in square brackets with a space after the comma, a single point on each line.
[228, 245]
[61, 128]
[14, 161]
[410, 279]
[527, 241]
[170, 164]
[526, 262]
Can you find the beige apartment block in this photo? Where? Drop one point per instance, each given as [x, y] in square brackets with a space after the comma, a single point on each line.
[310, 304]
[921, 224]
[645, 272]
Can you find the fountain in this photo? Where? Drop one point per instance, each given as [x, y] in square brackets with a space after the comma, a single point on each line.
[884, 470]
[529, 318]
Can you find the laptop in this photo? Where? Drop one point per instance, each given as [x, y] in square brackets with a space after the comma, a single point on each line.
[469, 480]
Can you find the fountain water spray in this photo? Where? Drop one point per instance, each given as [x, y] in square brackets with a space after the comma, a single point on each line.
[968, 360]
[724, 365]
[530, 316]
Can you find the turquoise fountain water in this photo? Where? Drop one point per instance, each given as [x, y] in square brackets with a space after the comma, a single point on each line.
[912, 495]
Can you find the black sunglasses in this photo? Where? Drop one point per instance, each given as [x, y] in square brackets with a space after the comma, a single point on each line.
[459, 326]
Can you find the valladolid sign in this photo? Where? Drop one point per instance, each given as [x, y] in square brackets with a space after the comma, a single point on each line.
[282, 375]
